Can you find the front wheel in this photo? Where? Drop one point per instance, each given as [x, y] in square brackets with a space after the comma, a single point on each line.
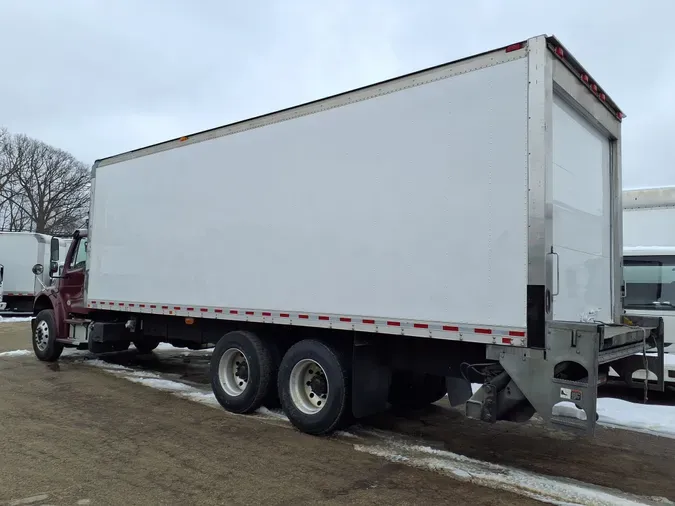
[44, 337]
[314, 387]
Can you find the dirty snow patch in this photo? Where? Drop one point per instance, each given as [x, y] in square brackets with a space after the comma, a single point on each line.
[542, 488]
[15, 319]
[160, 384]
[203, 397]
[15, 353]
[276, 414]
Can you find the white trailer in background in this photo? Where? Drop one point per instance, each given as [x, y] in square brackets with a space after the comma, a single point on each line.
[649, 270]
[391, 243]
[19, 252]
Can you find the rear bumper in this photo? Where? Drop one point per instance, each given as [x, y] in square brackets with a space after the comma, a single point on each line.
[568, 371]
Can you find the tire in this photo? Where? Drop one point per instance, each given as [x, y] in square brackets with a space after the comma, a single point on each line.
[242, 372]
[44, 337]
[300, 401]
[411, 390]
[146, 345]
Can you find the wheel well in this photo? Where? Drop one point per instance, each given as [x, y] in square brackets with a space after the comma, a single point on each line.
[42, 303]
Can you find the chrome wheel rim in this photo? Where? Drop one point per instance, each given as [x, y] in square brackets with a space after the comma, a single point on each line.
[309, 387]
[42, 335]
[233, 372]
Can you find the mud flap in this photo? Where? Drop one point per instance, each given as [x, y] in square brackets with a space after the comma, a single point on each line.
[371, 377]
[459, 390]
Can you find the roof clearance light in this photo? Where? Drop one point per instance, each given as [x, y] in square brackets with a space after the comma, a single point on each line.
[560, 52]
[602, 97]
[594, 88]
[515, 47]
[584, 78]
[183, 139]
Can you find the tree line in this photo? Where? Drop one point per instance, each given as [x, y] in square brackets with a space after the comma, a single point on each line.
[42, 188]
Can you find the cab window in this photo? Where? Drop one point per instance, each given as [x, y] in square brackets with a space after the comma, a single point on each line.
[79, 260]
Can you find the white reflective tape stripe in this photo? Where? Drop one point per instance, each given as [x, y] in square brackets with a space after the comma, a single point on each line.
[441, 330]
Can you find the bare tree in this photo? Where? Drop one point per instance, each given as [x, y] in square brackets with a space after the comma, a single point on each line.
[47, 190]
[11, 160]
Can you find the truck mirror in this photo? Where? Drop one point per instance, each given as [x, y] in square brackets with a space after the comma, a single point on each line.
[54, 251]
[53, 267]
[38, 269]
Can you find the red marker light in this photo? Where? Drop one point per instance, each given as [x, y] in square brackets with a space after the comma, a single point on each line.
[584, 78]
[514, 47]
[594, 88]
[560, 52]
[602, 97]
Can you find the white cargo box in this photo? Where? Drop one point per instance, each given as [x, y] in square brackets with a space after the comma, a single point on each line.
[19, 252]
[439, 204]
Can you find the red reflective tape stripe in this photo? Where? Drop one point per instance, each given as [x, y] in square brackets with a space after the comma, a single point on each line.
[450, 328]
[177, 308]
[267, 314]
[507, 340]
[284, 315]
[250, 313]
[482, 331]
[93, 302]
[218, 310]
[394, 324]
[324, 318]
[203, 309]
[516, 333]
[304, 316]
[111, 303]
[141, 305]
[369, 322]
[132, 305]
[189, 309]
[165, 307]
[345, 319]
[120, 303]
[234, 311]
[153, 306]
[421, 326]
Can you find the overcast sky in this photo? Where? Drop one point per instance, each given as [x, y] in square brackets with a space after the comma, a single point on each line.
[98, 77]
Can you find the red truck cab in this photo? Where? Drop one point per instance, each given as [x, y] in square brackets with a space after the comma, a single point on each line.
[56, 305]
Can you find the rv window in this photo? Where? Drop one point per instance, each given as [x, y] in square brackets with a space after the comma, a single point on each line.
[650, 282]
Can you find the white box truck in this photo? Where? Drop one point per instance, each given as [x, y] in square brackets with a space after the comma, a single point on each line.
[382, 246]
[19, 251]
[649, 272]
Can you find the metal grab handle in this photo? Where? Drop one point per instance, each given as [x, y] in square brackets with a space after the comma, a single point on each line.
[557, 273]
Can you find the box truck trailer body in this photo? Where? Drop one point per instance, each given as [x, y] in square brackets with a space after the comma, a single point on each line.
[649, 265]
[19, 252]
[465, 213]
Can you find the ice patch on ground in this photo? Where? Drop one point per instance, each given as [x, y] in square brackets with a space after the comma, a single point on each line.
[15, 353]
[15, 319]
[542, 488]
